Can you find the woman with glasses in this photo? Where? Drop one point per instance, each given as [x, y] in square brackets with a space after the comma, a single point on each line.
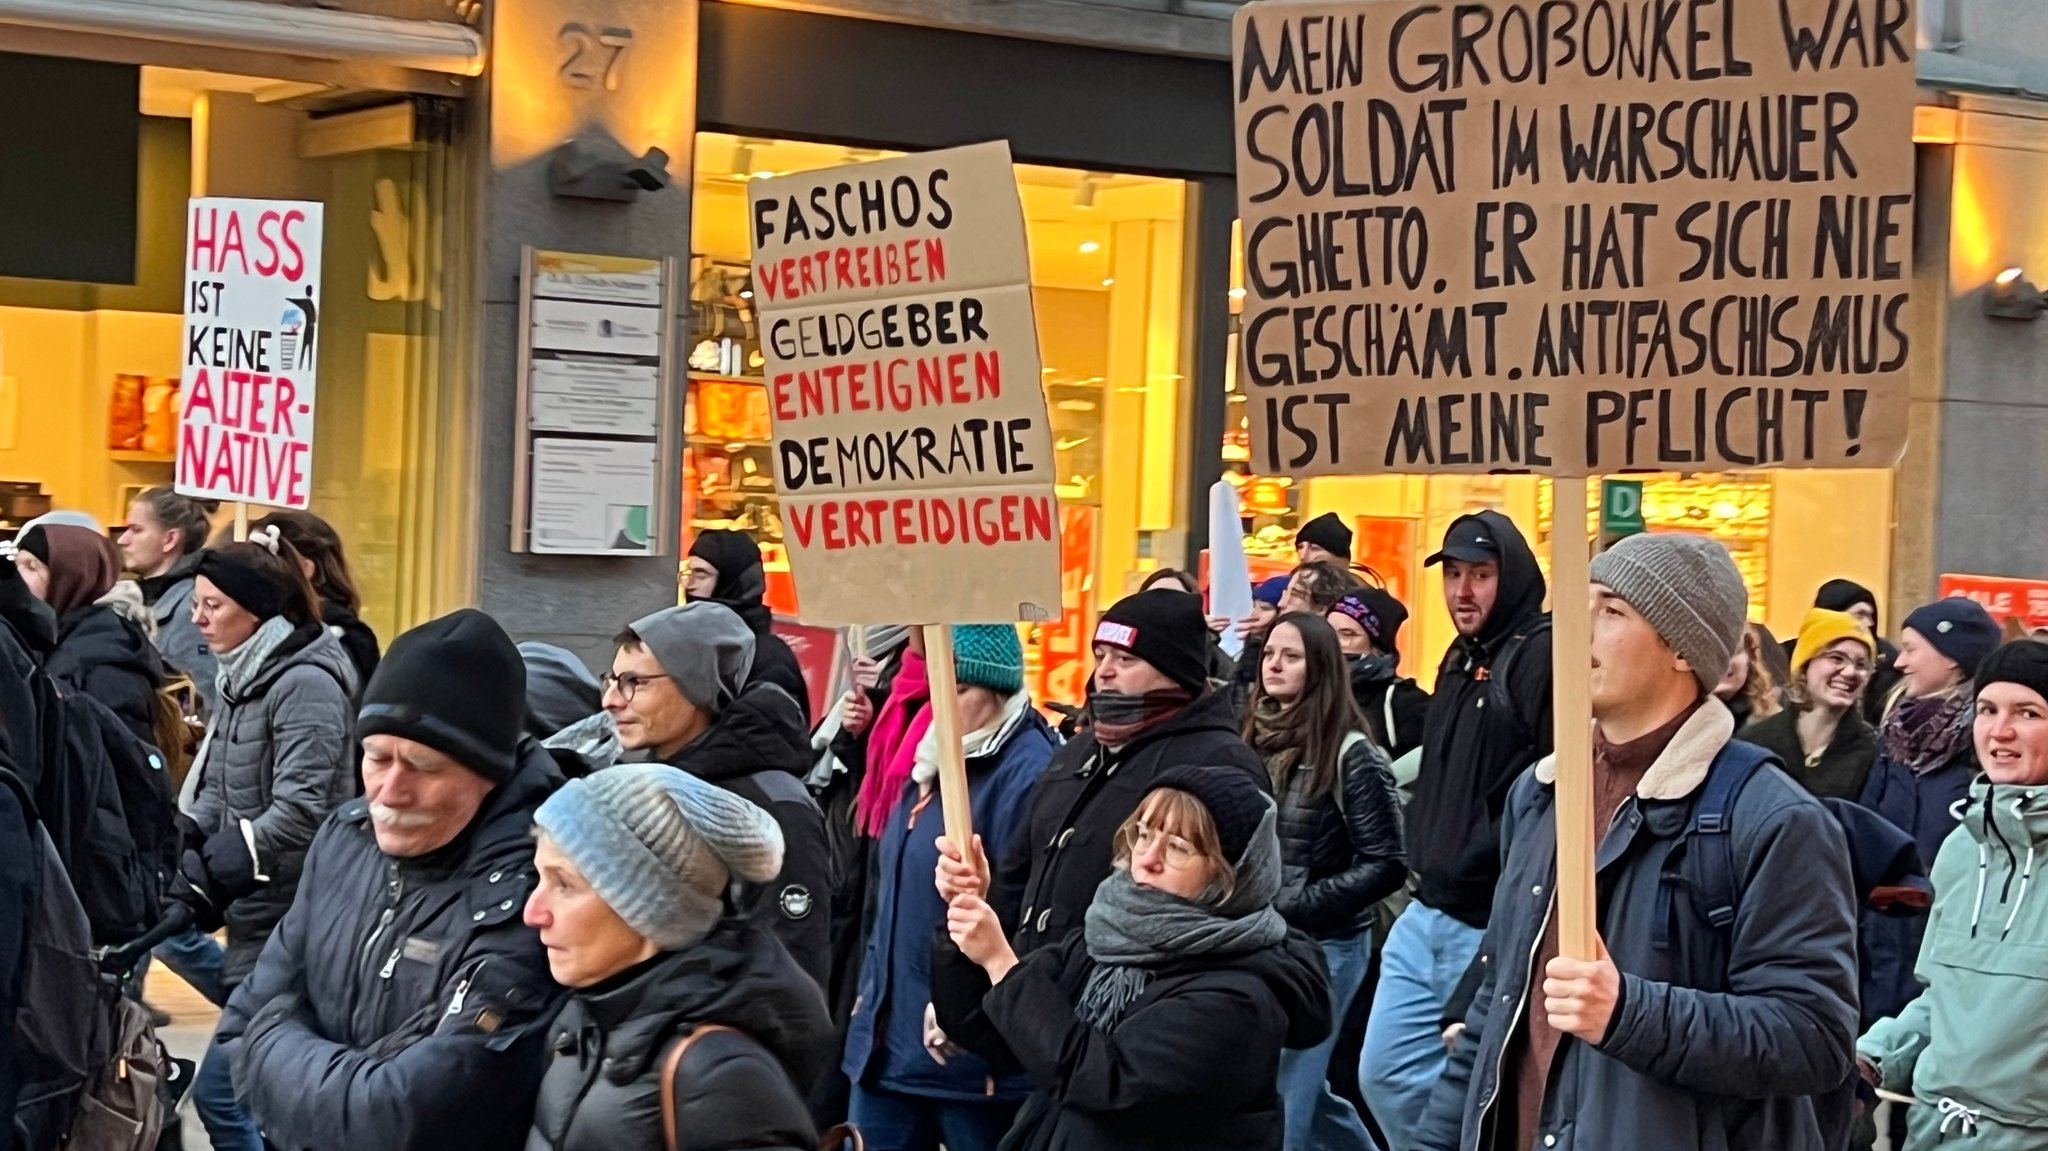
[1823, 739]
[1340, 844]
[1160, 1022]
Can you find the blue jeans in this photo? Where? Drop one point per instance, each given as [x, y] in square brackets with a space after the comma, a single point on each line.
[197, 958]
[1425, 957]
[891, 1121]
[1317, 1119]
[213, 1097]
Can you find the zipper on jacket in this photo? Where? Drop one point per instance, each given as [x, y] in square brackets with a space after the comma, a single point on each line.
[1514, 1021]
[462, 989]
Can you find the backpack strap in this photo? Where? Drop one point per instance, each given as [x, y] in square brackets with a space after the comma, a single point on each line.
[1499, 696]
[1706, 849]
[671, 1064]
[1351, 740]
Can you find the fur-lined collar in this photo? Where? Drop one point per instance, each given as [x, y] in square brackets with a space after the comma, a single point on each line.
[1683, 766]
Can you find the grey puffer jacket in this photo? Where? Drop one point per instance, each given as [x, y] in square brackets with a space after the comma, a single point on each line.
[1341, 852]
[1726, 1039]
[280, 757]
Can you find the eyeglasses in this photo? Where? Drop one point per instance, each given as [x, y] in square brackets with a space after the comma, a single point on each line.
[1833, 662]
[627, 685]
[1180, 854]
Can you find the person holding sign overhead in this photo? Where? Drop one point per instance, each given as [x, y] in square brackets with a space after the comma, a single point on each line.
[1723, 999]
[1488, 721]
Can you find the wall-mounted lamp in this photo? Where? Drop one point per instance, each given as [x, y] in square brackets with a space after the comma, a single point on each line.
[2013, 297]
[598, 167]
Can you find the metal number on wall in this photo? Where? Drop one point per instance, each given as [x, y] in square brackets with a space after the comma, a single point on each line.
[594, 55]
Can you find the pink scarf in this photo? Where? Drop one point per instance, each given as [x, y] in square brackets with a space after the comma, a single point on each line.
[892, 745]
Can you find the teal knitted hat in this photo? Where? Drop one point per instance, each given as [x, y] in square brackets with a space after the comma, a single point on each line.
[988, 655]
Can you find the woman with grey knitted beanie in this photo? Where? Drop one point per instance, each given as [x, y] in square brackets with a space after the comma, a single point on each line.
[689, 1028]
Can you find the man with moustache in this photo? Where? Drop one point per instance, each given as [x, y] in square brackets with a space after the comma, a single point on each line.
[403, 1003]
[1488, 722]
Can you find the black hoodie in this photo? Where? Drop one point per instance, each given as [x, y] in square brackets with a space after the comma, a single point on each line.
[742, 586]
[28, 630]
[1471, 752]
[602, 1090]
[1397, 709]
[103, 655]
[758, 749]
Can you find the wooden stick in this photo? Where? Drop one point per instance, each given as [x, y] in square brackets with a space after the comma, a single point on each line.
[241, 521]
[1571, 658]
[938, 657]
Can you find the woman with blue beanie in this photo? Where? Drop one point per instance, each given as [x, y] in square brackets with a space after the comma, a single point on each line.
[912, 1090]
[689, 1028]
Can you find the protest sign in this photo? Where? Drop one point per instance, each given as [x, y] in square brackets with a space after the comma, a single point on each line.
[1576, 237]
[1570, 237]
[252, 313]
[912, 451]
[2005, 597]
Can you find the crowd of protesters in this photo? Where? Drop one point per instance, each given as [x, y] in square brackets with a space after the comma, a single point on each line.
[464, 893]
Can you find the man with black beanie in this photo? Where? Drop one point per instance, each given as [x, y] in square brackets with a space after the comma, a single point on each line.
[725, 568]
[1852, 597]
[402, 1003]
[1324, 539]
[1151, 708]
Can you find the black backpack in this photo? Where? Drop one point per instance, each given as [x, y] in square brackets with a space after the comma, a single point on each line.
[106, 802]
[92, 1074]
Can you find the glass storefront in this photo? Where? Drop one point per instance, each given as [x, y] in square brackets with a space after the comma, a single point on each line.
[89, 373]
[1107, 283]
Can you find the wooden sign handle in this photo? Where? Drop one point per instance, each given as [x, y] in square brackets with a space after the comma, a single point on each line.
[938, 656]
[1571, 655]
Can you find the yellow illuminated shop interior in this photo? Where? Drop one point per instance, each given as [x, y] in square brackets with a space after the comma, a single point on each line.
[89, 372]
[1789, 531]
[1106, 269]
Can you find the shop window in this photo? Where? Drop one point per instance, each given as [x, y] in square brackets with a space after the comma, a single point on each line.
[1106, 264]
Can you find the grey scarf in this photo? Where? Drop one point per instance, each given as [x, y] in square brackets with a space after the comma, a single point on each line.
[239, 668]
[1132, 929]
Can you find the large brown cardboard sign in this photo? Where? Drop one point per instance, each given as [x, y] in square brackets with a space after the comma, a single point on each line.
[1575, 236]
[912, 449]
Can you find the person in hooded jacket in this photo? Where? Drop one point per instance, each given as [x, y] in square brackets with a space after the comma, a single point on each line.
[1849, 596]
[161, 544]
[402, 1005]
[1368, 626]
[911, 1089]
[679, 689]
[1822, 740]
[725, 568]
[1926, 758]
[1488, 722]
[687, 1029]
[326, 567]
[1151, 709]
[99, 652]
[1971, 1049]
[1340, 845]
[1160, 1022]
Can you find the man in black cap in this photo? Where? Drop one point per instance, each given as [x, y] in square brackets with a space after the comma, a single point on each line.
[1151, 709]
[1324, 539]
[1489, 720]
[402, 1003]
[1849, 596]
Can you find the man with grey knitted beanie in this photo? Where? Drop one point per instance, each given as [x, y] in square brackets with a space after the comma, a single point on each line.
[1726, 910]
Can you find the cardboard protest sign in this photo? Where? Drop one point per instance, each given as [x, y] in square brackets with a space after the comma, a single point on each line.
[252, 316]
[912, 451]
[1575, 236]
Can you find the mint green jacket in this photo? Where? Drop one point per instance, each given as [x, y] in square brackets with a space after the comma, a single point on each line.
[1973, 1049]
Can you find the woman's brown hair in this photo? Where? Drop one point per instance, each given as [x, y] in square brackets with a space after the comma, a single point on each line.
[317, 540]
[1327, 583]
[1315, 725]
[1171, 811]
[1760, 689]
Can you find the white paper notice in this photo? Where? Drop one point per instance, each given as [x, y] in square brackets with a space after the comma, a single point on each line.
[600, 398]
[1230, 573]
[591, 497]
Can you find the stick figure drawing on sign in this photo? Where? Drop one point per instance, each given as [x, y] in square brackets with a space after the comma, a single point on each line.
[305, 305]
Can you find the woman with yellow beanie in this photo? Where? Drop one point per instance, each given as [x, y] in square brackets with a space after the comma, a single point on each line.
[1823, 739]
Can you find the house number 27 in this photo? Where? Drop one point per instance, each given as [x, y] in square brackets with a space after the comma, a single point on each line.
[593, 55]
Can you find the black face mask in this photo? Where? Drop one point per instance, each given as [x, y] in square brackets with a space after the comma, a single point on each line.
[1372, 668]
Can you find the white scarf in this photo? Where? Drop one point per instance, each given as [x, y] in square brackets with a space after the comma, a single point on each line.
[979, 742]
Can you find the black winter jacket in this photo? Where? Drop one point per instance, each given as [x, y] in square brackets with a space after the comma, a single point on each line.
[1396, 707]
[1843, 769]
[1472, 750]
[109, 658]
[356, 639]
[1194, 1064]
[602, 1090]
[743, 591]
[759, 750]
[402, 1004]
[1047, 877]
[1721, 1041]
[1340, 854]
